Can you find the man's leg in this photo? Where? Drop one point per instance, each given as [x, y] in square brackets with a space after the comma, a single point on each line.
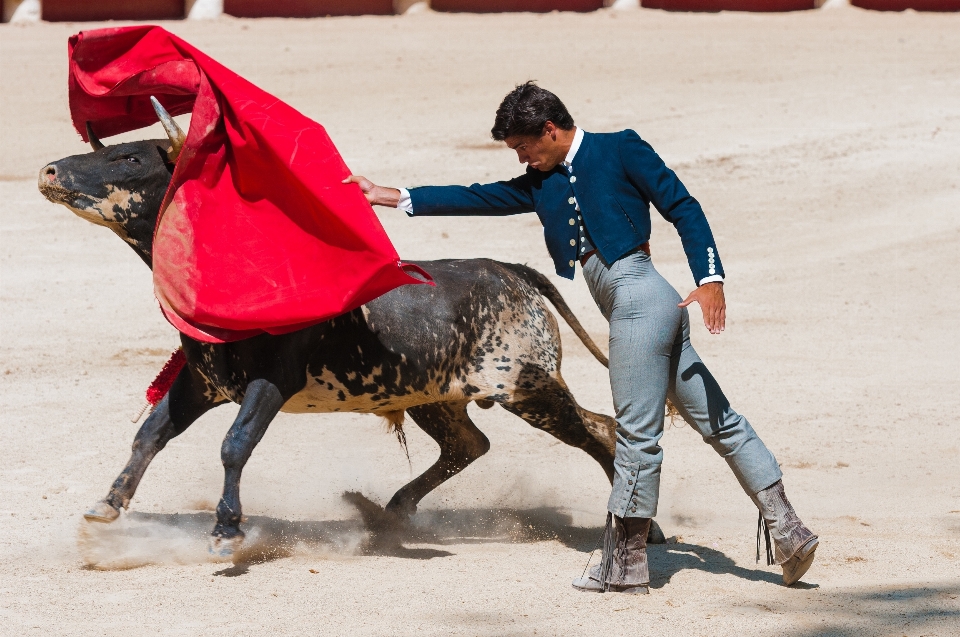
[700, 401]
[644, 320]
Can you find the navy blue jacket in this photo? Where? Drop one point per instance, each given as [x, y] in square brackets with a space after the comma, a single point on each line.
[615, 178]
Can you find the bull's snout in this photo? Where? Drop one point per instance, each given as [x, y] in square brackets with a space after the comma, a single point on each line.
[48, 173]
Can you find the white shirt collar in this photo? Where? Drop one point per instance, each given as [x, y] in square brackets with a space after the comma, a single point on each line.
[574, 147]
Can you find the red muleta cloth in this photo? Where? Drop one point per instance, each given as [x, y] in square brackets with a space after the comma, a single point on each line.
[256, 233]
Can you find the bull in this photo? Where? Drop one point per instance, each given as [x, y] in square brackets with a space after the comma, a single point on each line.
[484, 334]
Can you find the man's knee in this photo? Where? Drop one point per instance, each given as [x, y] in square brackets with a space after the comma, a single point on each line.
[728, 432]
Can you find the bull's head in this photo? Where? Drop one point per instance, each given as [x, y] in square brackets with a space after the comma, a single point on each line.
[120, 187]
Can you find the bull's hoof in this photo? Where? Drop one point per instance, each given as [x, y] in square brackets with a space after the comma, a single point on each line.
[378, 520]
[224, 548]
[655, 534]
[103, 512]
[387, 528]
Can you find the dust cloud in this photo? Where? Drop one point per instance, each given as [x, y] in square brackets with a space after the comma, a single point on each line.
[141, 539]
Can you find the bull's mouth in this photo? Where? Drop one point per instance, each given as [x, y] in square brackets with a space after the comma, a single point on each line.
[82, 205]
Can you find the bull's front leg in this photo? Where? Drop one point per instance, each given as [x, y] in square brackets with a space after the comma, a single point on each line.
[179, 409]
[261, 403]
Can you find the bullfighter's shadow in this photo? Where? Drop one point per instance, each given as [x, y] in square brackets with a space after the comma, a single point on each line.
[122, 544]
[666, 560]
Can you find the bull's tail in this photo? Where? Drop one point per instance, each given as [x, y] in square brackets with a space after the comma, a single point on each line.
[548, 290]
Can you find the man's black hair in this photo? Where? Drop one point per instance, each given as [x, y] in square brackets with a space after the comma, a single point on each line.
[526, 109]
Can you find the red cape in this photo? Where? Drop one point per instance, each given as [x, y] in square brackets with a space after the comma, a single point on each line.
[256, 233]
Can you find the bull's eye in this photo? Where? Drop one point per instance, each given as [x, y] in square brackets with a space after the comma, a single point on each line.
[133, 160]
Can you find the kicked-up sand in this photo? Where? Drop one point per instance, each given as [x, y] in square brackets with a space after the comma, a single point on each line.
[825, 148]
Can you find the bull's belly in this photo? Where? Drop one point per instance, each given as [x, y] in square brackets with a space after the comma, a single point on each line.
[310, 401]
[324, 394]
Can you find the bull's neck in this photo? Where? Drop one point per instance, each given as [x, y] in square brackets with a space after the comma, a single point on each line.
[140, 238]
[137, 229]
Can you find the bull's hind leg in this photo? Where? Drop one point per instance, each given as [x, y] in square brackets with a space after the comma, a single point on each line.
[547, 404]
[460, 444]
[179, 409]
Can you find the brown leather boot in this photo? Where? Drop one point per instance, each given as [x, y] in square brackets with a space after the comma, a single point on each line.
[624, 567]
[795, 544]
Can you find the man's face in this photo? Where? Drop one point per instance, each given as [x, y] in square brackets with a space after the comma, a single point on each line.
[543, 153]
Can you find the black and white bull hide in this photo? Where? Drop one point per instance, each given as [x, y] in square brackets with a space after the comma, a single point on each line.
[483, 334]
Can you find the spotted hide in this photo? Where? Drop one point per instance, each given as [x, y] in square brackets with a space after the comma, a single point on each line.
[484, 334]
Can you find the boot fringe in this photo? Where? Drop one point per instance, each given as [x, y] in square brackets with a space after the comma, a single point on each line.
[609, 546]
[762, 527]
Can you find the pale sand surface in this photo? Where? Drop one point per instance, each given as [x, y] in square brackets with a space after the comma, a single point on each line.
[825, 147]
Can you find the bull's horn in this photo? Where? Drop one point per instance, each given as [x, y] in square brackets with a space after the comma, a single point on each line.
[177, 138]
[93, 139]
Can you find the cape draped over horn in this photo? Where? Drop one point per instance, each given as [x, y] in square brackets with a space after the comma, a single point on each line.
[256, 233]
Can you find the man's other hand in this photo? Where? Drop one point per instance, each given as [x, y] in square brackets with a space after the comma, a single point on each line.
[712, 304]
[376, 195]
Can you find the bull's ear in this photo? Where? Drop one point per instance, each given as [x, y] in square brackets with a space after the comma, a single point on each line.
[92, 137]
[176, 135]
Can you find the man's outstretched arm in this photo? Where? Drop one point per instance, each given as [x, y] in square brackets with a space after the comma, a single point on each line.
[498, 198]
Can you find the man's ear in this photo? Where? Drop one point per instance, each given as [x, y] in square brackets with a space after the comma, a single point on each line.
[550, 129]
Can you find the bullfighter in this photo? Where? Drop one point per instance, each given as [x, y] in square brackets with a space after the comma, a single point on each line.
[592, 192]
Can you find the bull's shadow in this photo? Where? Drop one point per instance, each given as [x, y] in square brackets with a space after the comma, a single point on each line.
[139, 539]
[469, 526]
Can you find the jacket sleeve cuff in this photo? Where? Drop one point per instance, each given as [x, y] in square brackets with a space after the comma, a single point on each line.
[405, 204]
[710, 279]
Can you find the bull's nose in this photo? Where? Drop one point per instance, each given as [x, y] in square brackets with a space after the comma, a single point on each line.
[49, 172]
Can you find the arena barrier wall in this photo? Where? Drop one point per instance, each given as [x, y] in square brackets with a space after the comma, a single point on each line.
[903, 5]
[305, 8]
[755, 6]
[95, 10]
[503, 6]
[89, 10]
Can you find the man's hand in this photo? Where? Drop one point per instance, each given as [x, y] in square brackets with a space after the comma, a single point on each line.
[376, 195]
[712, 304]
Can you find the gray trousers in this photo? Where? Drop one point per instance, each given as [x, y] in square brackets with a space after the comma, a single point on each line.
[651, 359]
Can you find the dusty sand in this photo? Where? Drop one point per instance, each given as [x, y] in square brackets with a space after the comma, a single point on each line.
[825, 147]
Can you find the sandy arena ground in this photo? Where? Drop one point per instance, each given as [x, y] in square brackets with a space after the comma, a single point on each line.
[825, 147]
